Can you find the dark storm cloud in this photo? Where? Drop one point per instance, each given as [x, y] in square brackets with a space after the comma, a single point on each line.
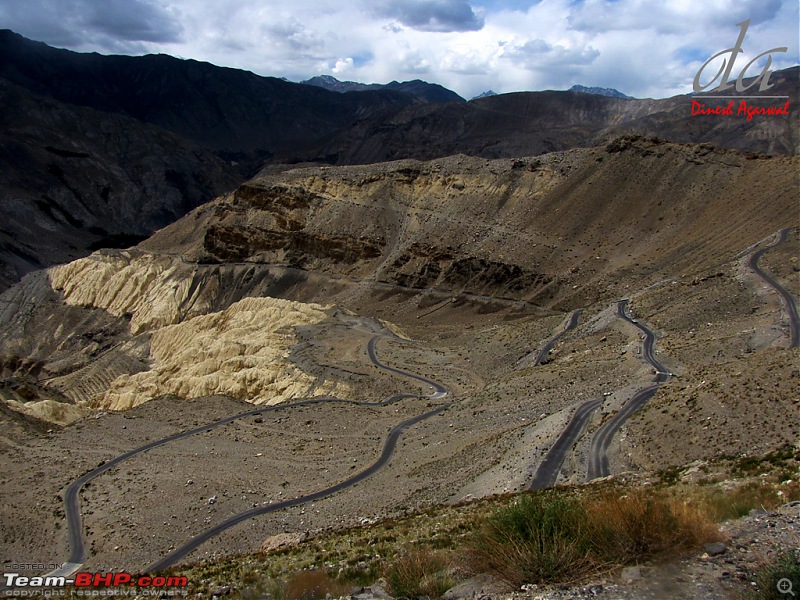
[432, 15]
[111, 24]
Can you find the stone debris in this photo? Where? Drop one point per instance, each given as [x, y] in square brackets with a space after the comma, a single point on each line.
[283, 540]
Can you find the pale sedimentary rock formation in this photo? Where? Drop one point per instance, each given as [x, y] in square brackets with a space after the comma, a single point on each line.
[240, 352]
[117, 329]
[151, 290]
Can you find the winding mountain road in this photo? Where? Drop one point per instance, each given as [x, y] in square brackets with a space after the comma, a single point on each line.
[547, 473]
[788, 299]
[598, 449]
[648, 345]
[573, 322]
[72, 494]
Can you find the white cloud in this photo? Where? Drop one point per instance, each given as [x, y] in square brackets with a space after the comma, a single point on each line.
[343, 65]
[642, 47]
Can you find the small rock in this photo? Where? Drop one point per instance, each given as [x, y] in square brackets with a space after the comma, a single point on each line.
[373, 592]
[479, 586]
[283, 540]
[212, 500]
[222, 591]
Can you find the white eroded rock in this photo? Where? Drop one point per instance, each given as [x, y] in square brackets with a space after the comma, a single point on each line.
[240, 352]
[150, 289]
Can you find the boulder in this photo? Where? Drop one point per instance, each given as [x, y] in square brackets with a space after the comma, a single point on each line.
[283, 540]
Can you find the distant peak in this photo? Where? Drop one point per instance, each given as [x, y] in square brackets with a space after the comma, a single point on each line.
[427, 92]
[486, 94]
[330, 78]
[599, 91]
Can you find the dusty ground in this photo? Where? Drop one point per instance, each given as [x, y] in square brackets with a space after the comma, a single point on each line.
[506, 414]
[719, 328]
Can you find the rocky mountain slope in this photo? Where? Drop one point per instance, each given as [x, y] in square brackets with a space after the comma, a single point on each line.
[75, 179]
[464, 269]
[98, 151]
[239, 115]
[392, 241]
[529, 123]
[601, 91]
[562, 230]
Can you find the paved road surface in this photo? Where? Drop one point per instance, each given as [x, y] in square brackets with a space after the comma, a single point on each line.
[547, 473]
[573, 322]
[72, 495]
[788, 299]
[662, 374]
[388, 449]
[598, 449]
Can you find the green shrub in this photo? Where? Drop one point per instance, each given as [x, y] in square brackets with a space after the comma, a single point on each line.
[538, 538]
[785, 566]
[552, 537]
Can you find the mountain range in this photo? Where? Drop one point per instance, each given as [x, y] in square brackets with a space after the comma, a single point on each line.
[132, 143]
[242, 313]
[602, 91]
[428, 92]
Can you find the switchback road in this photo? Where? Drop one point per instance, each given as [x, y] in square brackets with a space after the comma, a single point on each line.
[72, 494]
[788, 299]
[573, 322]
[598, 449]
[547, 473]
[648, 345]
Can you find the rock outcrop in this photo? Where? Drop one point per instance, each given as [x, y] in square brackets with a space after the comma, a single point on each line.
[117, 329]
[240, 352]
[193, 311]
[560, 230]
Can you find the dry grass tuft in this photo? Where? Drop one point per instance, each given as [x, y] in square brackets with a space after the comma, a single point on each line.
[420, 573]
[313, 585]
[552, 537]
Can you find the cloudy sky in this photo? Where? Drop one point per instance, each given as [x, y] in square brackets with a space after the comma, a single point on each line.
[646, 48]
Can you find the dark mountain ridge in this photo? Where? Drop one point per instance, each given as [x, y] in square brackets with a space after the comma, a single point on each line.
[529, 123]
[600, 91]
[102, 150]
[428, 92]
[73, 179]
[231, 111]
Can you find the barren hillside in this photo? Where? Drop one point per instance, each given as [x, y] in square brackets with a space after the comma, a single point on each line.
[437, 285]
